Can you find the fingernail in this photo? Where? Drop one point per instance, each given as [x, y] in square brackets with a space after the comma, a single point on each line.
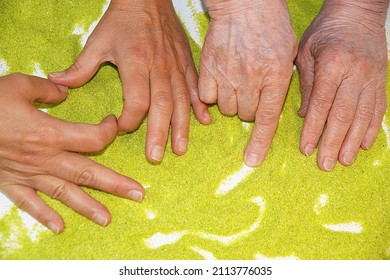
[62, 88]
[182, 144]
[348, 158]
[57, 74]
[157, 153]
[309, 150]
[252, 160]
[53, 227]
[136, 195]
[329, 164]
[99, 219]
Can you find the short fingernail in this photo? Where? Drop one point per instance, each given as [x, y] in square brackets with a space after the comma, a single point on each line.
[157, 153]
[348, 158]
[182, 144]
[99, 219]
[329, 164]
[309, 150]
[53, 227]
[136, 195]
[252, 160]
[57, 74]
[62, 88]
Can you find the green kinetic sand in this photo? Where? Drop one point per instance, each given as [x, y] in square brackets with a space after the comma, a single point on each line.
[286, 208]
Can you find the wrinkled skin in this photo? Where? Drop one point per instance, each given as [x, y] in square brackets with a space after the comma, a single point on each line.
[246, 65]
[40, 153]
[147, 43]
[342, 62]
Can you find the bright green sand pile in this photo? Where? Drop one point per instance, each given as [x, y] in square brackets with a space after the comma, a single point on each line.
[279, 210]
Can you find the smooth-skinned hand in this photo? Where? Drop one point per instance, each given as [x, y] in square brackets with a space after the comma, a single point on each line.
[147, 43]
[342, 63]
[41, 153]
[246, 65]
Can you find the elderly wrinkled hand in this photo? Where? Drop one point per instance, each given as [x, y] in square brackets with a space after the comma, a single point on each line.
[246, 65]
[147, 43]
[342, 63]
[40, 153]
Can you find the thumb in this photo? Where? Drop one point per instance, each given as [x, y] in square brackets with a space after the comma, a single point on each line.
[81, 71]
[35, 89]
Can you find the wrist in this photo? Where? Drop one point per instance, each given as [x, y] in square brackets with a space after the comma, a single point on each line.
[140, 5]
[368, 12]
[222, 8]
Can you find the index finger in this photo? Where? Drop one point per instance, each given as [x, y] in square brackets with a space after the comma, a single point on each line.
[266, 122]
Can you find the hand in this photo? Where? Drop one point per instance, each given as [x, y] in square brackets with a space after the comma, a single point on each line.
[246, 65]
[38, 153]
[148, 44]
[342, 62]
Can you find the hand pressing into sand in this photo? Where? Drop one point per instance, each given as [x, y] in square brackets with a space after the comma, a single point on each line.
[246, 65]
[39, 153]
[147, 43]
[342, 62]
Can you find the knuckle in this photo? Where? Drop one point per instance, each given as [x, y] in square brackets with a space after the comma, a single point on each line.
[159, 135]
[321, 104]
[100, 140]
[140, 104]
[84, 176]
[23, 203]
[163, 100]
[258, 140]
[267, 117]
[365, 112]
[344, 114]
[39, 136]
[76, 66]
[246, 116]
[182, 98]
[60, 192]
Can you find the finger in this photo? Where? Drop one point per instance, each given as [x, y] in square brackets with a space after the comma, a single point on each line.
[136, 95]
[326, 83]
[354, 138]
[36, 89]
[28, 200]
[200, 109]
[82, 69]
[82, 171]
[181, 114]
[160, 114]
[247, 102]
[305, 67]
[339, 122]
[74, 197]
[227, 100]
[79, 137]
[377, 118]
[208, 89]
[266, 122]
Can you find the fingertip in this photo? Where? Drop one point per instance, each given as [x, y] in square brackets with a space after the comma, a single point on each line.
[180, 146]
[155, 154]
[326, 164]
[253, 159]
[101, 218]
[347, 158]
[55, 226]
[136, 195]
